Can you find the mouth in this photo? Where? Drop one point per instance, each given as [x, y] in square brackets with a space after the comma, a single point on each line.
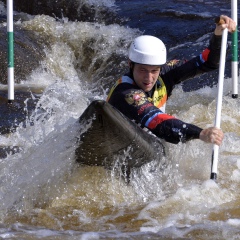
[147, 84]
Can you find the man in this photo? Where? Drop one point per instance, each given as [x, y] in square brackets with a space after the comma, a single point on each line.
[141, 94]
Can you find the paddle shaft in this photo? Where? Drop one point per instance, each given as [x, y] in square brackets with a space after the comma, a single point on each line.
[234, 10]
[219, 100]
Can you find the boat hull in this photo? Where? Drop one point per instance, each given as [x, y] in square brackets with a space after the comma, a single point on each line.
[110, 134]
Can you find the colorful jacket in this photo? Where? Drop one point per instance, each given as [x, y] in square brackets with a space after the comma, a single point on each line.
[148, 108]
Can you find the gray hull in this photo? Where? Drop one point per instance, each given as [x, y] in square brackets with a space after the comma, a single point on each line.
[111, 134]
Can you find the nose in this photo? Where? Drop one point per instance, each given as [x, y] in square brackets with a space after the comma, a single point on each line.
[148, 74]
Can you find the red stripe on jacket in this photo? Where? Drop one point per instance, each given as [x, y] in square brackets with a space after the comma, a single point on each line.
[205, 54]
[159, 119]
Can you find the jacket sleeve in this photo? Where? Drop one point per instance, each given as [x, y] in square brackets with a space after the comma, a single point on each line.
[134, 104]
[207, 61]
[175, 131]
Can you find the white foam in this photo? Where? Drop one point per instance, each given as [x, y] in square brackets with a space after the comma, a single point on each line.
[234, 222]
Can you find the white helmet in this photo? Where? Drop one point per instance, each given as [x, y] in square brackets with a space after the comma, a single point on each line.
[148, 50]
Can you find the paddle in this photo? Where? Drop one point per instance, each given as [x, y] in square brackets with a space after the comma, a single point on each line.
[234, 10]
[219, 98]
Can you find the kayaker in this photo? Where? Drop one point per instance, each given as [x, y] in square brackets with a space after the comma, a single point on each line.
[142, 93]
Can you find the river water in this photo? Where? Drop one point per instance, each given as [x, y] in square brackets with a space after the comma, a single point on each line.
[45, 195]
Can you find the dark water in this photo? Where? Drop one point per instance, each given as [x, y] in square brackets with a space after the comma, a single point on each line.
[174, 22]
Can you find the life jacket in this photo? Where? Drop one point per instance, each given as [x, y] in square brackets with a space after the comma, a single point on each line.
[159, 97]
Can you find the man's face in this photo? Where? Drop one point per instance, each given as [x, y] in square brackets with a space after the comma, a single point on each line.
[145, 76]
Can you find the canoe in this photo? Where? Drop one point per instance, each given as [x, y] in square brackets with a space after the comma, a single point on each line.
[110, 138]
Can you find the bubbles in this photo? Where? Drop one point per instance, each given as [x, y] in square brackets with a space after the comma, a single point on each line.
[90, 53]
[107, 3]
[234, 222]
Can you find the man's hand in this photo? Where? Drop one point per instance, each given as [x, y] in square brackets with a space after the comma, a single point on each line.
[223, 22]
[212, 135]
